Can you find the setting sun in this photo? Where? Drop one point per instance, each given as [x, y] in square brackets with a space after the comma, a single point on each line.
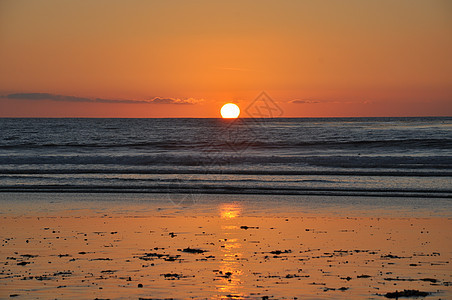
[230, 111]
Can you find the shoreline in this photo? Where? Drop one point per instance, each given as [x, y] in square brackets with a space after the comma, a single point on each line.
[24, 203]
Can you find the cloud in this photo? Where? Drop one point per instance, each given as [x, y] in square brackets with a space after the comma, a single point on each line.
[309, 101]
[306, 101]
[158, 100]
[64, 98]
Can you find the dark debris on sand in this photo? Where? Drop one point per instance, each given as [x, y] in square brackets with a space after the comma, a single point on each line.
[192, 250]
[278, 252]
[248, 227]
[406, 293]
[432, 280]
[152, 255]
[224, 275]
[326, 289]
[172, 276]
[29, 255]
[393, 256]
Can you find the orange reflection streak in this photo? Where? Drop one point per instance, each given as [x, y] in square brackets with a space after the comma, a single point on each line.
[230, 279]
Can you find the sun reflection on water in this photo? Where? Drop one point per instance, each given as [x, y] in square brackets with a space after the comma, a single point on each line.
[230, 270]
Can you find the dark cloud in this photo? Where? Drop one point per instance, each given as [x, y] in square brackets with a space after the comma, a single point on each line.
[64, 98]
[46, 96]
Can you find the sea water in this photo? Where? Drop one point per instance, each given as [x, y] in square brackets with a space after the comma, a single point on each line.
[391, 157]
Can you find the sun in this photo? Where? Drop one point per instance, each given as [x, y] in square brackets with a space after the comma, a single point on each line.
[230, 111]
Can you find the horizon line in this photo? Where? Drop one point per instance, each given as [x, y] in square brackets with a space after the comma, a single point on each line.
[328, 117]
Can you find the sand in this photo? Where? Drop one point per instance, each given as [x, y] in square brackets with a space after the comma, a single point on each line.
[227, 252]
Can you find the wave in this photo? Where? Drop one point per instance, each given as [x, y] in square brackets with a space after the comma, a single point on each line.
[221, 159]
[178, 171]
[190, 189]
[247, 142]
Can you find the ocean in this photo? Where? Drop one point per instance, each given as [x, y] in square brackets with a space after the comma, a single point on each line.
[375, 157]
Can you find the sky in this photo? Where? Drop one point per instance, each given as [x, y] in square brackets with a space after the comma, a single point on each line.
[134, 58]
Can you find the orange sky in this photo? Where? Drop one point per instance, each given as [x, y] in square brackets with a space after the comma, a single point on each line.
[314, 58]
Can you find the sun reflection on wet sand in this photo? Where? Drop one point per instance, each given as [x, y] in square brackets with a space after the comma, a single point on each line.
[230, 210]
[230, 274]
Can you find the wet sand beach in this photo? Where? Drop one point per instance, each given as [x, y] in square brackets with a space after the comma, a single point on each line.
[225, 250]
